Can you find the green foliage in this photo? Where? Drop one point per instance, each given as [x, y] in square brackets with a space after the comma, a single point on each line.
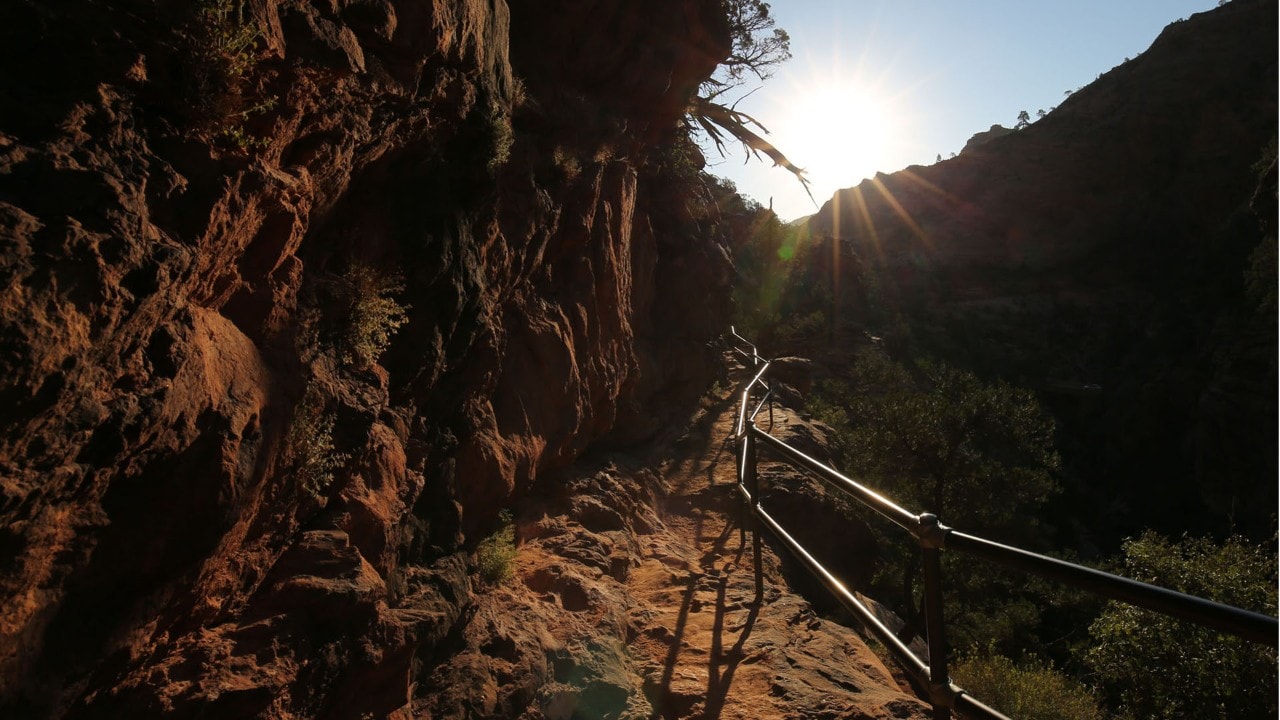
[566, 162]
[811, 326]
[227, 40]
[234, 132]
[1030, 690]
[372, 313]
[716, 119]
[974, 453]
[767, 259]
[758, 45]
[501, 136]
[979, 454]
[1153, 666]
[716, 391]
[309, 443]
[223, 51]
[941, 439]
[497, 553]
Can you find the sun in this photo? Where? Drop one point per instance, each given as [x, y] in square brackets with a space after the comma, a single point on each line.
[839, 131]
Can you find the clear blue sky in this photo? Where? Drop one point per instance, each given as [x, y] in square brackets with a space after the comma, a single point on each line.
[877, 85]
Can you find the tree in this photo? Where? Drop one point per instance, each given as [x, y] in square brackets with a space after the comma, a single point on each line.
[979, 455]
[756, 47]
[716, 119]
[1154, 666]
[1024, 119]
[975, 453]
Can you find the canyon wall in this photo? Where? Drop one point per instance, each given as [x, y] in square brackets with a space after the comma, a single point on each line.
[1117, 255]
[221, 493]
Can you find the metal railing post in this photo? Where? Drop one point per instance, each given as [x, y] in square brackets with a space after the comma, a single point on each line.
[769, 389]
[939, 681]
[752, 477]
[744, 507]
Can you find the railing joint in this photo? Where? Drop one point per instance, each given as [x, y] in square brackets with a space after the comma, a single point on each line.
[942, 693]
[931, 534]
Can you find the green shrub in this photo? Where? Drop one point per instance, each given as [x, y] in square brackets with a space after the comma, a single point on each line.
[223, 48]
[226, 39]
[567, 162]
[979, 454]
[372, 314]
[811, 327]
[497, 553]
[1030, 690]
[310, 445]
[1154, 666]
[501, 135]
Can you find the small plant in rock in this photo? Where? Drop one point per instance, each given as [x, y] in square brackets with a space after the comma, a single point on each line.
[496, 554]
[501, 136]
[227, 40]
[235, 133]
[713, 395]
[310, 445]
[223, 49]
[372, 313]
[566, 162]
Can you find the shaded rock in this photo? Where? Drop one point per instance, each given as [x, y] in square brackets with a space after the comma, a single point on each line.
[205, 508]
[794, 371]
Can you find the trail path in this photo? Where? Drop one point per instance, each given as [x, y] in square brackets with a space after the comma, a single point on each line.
[707, 649]
[632, 597]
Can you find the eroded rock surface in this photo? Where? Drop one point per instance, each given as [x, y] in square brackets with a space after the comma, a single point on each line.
[211, 502]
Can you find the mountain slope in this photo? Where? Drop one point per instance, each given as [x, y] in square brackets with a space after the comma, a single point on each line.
[1101, 255]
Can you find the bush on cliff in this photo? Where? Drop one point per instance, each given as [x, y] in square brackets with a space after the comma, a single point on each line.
[1154, 666]
[497, 553]
[372, 314]
[223, 51]
[1030, 690]
[311, 453]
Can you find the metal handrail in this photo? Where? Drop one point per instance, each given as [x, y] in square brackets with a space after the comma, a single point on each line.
[934, 537]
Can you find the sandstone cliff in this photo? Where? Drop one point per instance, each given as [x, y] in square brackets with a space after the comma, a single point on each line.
[214, 501]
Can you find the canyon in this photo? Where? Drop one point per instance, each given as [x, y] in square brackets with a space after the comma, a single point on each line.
[304, 304]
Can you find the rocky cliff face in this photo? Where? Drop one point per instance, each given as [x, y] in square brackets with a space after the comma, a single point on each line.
[215, 499]
[1105, 255]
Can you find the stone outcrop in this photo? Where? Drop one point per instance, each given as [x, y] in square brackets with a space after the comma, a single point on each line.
[986, 136]
[210, 504]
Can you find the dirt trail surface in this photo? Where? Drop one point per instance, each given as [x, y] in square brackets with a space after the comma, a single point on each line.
[720, 654]
[633, 595]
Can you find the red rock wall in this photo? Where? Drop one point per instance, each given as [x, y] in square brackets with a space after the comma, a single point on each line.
[166, 299]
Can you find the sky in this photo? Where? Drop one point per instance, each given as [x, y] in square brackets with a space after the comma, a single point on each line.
[878, 85]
